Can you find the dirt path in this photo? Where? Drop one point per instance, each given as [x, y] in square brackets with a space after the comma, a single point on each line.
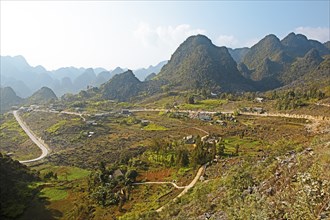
[64, 112]
[200, 171]
[38, 141]
[173, 184]
[202, 130]
[74, 113]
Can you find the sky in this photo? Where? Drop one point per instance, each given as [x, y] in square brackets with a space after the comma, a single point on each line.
[135, 34]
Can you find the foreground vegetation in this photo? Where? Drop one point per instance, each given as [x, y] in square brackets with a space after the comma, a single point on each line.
[257, 167]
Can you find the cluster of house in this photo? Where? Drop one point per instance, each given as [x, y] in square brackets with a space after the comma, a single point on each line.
[203, 116]
[56, 107]
[91, 122]
[91, 133]
[258, 110]
[126, 112]
[210, 139]
[214, 118]
[259, 99]
[26, 108]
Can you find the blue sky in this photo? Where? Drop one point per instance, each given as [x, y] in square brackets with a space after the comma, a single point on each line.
[138, 34]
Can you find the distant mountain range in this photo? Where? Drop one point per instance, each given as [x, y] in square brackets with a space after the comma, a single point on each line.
[25, 79]
[274, 63]
[142, 73]
[196, 65]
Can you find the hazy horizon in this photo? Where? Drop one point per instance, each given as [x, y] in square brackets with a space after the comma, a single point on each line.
[139, 34]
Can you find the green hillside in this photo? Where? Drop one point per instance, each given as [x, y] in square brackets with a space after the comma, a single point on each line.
[42, 96]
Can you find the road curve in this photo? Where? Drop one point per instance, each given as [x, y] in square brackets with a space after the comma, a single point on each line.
[40, 143]
[200, 171]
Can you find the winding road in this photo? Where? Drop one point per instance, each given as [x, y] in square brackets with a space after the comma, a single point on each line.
[45, 149]
[38, 141]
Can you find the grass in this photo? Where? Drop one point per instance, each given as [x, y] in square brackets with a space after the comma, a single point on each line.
[66, 173]
[15, 141]
[154, 127]
[161, 158]
[54, 194]
[11, 125]
[246, 145]
[54, 128]
[208, 104]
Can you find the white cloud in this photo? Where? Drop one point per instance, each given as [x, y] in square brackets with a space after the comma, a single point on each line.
[251, 42]
[232, 42]
[168, 36]
[227, 41]
[321, 34]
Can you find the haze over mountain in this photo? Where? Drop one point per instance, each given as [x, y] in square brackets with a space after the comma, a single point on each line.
[142, 73]
[196, 64]
[150, 76]
[25, 79]
[8, 98]
[238, 53]
[42, 96]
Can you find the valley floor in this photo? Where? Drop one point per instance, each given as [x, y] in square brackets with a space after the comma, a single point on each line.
[271, 165]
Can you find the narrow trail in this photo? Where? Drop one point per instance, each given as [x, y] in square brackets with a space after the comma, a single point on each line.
[200, 171]
[64, 112]
[202, 130]
[171, 183]
[74, 113]
[38, 141]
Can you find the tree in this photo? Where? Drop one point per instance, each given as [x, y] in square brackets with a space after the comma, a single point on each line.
[213, 151]
[49, 175]
[241, 135]
[132, 174]
[183, 158]
[199, 155]
[221, 149]
[156, 147]
[172, 161]
[236, 149]
[191, 100]
[102, 167]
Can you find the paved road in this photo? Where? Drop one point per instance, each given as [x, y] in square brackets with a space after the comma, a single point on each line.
[40, 143]
[286, 115]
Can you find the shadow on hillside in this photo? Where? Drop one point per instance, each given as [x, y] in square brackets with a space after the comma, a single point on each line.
[37, 210]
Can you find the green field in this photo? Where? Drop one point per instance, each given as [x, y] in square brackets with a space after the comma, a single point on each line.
[154, 127]
[65, 173]
[208, 104]
[54, 194]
